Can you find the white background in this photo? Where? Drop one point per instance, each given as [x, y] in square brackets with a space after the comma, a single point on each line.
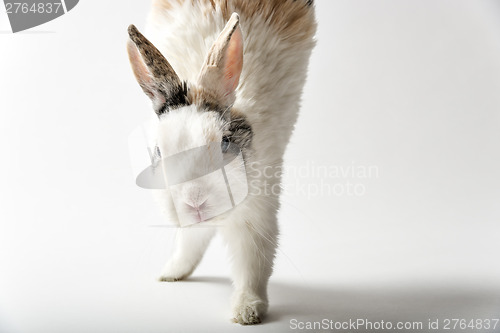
[409, 87]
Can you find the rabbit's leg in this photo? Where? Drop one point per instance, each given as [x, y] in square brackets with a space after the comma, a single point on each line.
[252, 247]
[190, 245]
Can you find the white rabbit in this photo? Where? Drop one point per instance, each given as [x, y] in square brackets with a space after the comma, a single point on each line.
[235, 74]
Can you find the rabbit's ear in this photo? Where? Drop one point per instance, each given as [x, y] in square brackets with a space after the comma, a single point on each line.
[154, 74]
[221, 72]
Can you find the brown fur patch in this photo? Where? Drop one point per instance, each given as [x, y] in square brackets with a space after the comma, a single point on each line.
[204, 99]
[292, 19]
[240, 129]
[165, 4]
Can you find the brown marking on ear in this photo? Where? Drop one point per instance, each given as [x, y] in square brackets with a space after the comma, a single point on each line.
[161, 71]
[155, 75]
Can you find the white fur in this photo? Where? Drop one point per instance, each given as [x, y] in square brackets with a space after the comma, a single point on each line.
[271, 83]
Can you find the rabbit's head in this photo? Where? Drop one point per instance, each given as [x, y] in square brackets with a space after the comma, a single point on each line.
[194, 119]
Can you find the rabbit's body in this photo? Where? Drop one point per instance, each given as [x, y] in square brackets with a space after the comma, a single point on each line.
[277, 39]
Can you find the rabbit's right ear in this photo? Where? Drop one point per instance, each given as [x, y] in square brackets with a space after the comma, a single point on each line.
[153, 72]
[222, 69]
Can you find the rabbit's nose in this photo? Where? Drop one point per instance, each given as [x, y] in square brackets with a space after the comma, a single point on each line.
[196, 198]
[198, 205]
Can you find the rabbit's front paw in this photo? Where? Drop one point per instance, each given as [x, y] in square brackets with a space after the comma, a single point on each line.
[248, 310]
[175, 271]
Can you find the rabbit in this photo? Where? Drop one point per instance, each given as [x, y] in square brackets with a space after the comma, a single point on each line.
[229, 72]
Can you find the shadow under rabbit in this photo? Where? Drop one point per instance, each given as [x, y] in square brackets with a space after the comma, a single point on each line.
[408, 303]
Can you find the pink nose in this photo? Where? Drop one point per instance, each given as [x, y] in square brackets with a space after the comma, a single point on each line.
[195, 197]
[198, 209]
[198, 205]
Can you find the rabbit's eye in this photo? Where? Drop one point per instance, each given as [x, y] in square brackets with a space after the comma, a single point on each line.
[225, 144]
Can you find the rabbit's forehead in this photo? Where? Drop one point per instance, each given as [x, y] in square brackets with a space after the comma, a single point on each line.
[205, 98]
[187, 128]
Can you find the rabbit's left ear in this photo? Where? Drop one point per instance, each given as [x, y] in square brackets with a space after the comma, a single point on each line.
[153, 72]
[222, 69]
